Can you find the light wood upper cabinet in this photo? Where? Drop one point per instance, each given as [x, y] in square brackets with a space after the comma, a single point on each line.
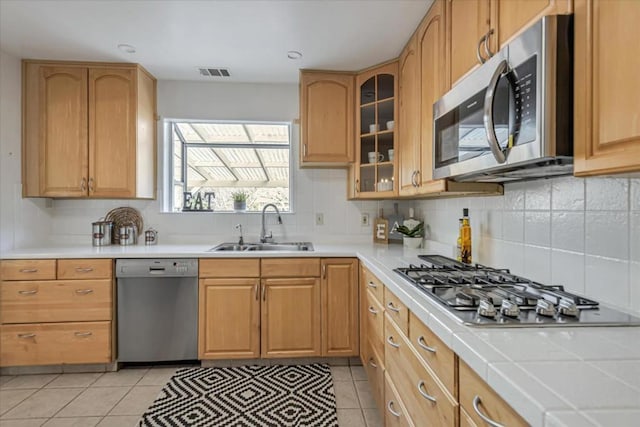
[510, 17]
[469, 21]
[326, 118]
[434, 83]
[376, 99]
[290, 317]
[340, 307]
[607, 88]
[55, 131]
[408, 112]
[229, 319]
[88, 130]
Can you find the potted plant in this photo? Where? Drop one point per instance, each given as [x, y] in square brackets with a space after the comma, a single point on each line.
[412, 237]
[240, 200]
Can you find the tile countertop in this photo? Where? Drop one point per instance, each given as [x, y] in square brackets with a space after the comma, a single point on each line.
[586, 376]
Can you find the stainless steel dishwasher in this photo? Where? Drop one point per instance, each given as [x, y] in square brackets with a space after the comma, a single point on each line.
[157, 309]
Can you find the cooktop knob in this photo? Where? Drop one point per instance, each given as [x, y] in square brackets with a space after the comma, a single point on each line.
[509, 308]
[545, 308]
[568, 308]
[486, 309]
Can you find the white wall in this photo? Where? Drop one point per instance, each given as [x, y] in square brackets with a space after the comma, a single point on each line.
[23, 222]
[580, 233]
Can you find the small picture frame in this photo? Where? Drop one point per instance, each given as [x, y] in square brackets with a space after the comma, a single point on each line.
[381, 230]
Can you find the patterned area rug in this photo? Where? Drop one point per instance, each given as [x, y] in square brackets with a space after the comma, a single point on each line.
[246, 396]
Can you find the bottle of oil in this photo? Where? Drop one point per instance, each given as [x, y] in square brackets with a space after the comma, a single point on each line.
[459, 241]
[465, 238]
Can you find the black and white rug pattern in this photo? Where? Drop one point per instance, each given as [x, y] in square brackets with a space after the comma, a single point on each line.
[246, 396]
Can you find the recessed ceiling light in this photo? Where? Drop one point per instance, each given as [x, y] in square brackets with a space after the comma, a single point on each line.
[294, 54]
[127, 48]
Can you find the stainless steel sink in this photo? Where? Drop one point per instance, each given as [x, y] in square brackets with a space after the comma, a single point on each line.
[248, 247]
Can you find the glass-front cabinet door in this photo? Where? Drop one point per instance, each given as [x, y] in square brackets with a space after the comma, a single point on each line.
[375, 172]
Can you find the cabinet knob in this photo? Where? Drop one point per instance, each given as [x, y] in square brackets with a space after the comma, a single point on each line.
[91, 189]
[83, 184]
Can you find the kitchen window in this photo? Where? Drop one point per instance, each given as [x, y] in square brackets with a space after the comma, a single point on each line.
[224, 158]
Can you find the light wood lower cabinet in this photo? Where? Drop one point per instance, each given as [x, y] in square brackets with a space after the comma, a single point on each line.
[340, 307]
[290, 317]
[55, 343]
[56, 301]
[229, 318]
[480, 401]
[56, 312]
[395, 413]
[425, 399]
[373, 363]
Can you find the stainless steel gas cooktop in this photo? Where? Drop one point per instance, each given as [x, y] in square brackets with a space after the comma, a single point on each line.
[484, 296]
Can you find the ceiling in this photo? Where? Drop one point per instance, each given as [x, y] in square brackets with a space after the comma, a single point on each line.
[250, 38]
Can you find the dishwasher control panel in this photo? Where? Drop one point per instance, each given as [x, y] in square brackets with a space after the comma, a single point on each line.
[149, 267]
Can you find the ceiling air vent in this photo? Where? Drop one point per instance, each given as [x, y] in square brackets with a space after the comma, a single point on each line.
[214, 72]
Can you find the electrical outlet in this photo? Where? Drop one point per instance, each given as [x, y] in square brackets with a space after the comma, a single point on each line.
[364, 220]
[319, 219]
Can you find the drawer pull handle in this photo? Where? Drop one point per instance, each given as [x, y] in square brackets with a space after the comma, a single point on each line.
[84, 270]
[372, 285]
[476, 402]
[83, 334]
[30, 292]
[423, 392]
[28, 270]
[372, 364]
[26, 335]
[390, 409]
[422, 343]
[84, 291]
[373, 310]
[391, 343]
[392, 307]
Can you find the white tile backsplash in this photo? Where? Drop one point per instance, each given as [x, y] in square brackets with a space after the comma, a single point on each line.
[537, 228]
[607, 280]
[581, 233]
[568, 194]
[608, 194]
[567, 231]
[607, 234]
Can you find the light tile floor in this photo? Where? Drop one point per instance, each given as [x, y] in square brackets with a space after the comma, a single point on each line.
[120, 398]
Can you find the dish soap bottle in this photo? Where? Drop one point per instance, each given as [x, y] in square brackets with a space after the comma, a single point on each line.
[465, 238]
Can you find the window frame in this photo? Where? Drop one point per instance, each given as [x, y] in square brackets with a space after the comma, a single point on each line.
[168, 179]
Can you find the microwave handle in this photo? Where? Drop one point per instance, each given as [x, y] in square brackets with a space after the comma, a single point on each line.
[488, 112]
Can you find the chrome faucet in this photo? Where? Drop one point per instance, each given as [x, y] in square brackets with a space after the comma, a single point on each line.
[263, 233]
[241, 239]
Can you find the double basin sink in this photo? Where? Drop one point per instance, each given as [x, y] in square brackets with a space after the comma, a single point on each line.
[249, 247]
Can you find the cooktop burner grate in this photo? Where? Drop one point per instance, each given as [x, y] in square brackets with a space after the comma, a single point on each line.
[485, 296]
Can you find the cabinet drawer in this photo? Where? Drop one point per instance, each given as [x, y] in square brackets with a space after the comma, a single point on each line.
[55, 343]
[396, 311]
[28, 269]
[290, 267]
[374, 313]
[424, 397]
[373, 284]
[395, 413]
[85, 269]
[374, 366]
[225, 267]
[435, 353]
[472, 387]
[56, 301]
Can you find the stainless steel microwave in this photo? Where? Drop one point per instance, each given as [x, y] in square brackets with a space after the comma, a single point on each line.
[512, 118]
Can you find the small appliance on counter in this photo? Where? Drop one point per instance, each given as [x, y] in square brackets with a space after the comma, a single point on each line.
[490, 297]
